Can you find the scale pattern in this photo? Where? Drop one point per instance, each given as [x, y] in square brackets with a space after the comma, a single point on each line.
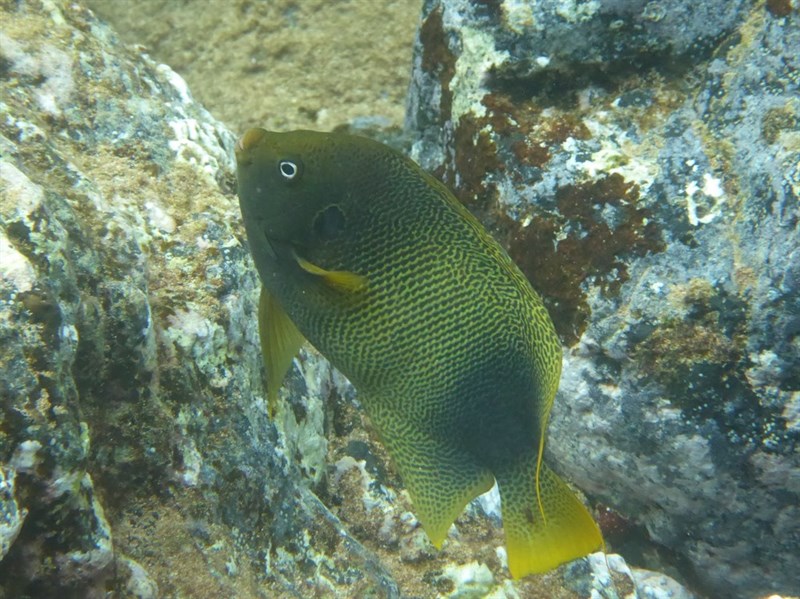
[452, 352]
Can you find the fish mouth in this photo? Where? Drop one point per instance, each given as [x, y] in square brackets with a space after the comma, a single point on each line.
[279, 248]
[270, 248]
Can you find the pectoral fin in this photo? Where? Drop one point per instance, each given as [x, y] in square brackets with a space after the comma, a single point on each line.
[339, 279]
[280, 342]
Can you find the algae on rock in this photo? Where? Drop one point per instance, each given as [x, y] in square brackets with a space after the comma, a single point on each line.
[641, 162]
[136, 450]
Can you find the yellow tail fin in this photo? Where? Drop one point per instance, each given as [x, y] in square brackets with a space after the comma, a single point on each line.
[544, 527]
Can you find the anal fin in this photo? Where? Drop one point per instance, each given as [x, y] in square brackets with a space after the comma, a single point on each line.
[440, 478]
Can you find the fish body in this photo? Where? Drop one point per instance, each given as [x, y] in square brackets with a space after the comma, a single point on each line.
[451, 351]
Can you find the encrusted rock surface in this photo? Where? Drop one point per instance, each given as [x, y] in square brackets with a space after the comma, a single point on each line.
[649, 190]
[639, 162]
[136, 454]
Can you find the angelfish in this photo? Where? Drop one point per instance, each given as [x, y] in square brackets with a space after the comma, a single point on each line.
[452, 353]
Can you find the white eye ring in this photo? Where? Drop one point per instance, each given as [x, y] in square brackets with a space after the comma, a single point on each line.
[288, 169]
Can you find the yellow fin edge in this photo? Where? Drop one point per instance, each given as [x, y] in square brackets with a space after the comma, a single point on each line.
[559, 531]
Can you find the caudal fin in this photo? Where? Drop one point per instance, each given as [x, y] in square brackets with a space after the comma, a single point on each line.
[544, 532]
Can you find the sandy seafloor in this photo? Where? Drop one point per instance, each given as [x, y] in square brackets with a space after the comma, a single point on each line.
[281, 64]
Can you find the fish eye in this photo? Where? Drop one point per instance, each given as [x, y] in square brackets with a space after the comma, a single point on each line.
[288, 169]
[329, 223]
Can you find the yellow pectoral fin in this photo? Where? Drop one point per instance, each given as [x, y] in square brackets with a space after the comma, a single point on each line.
[280, 342]
[340, 279]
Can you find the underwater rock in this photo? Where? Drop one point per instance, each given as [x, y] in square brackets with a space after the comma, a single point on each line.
[654, 205]
[465, 46]
[10, 512]
[136, 453]
[609, 576]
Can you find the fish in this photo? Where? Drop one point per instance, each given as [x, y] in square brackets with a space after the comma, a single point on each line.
[452, 353]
